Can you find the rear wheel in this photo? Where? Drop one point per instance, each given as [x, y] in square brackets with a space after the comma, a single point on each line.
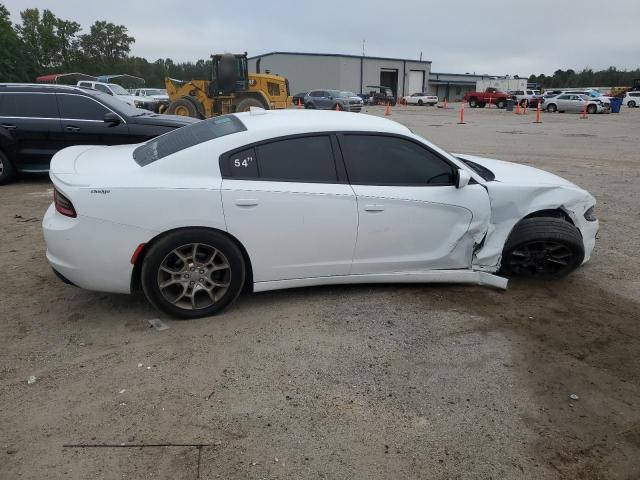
[7, 172]
[420, 102]
[245, 104]
[193, 273]
[542, 247]
[473, 103]
[552, 108]
[183, 107]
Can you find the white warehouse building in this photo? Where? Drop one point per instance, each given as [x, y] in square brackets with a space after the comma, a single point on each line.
[309, 71]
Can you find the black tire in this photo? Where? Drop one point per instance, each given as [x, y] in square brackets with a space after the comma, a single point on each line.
[420, 102]
[523, 103]
[473, 103]
[592, 109]
[631, 104]
[246, 103]
[552, 108]
[7, 171]
[184, 107]
[501, 103]
[208, 240]
[542, 247]
[309, 106]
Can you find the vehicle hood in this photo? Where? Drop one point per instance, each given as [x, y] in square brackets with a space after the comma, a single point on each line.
[130, 99]
[163, 120]
[160, 98]
[518, 174]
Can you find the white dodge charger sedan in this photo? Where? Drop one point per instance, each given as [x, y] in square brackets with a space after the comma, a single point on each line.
[277, 199]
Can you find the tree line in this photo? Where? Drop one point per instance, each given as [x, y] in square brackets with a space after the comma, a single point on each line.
[43, 43]
[611, 77]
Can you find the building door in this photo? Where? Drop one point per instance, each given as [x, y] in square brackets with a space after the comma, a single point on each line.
[389, 78]
[416, 81]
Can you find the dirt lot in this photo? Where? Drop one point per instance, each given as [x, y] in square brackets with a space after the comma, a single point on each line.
[361, 382]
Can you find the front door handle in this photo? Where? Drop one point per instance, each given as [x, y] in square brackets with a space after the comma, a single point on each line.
[9, 127]
[71, 128]
[374, 208]
[246, 202]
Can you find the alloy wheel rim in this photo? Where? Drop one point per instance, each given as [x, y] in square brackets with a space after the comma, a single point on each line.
[194, 276]
[541, 258]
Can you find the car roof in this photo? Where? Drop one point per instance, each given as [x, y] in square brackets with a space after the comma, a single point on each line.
[267, 123]
[40, 88]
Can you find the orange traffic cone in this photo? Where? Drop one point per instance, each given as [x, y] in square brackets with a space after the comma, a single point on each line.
[337, 107]
[446, 105]
[518, 112]
[387, 112]
[299, 103]
[461, 122]
[584, 112]
[489, 104]
[526, 104]
[538, 113]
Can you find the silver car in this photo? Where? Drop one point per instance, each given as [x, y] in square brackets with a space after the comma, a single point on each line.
[569, 102]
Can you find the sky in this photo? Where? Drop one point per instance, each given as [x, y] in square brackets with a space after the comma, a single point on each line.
[495, 37]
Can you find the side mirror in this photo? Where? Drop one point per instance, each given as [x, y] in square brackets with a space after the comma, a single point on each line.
[462, 178]
[111, 119]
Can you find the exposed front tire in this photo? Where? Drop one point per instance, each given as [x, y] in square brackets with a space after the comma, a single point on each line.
[7, 171]
[591, 109]
[542, 247]
[245, 104]
[193, 273]
[552, 108]
[420, 102]
[183, 107]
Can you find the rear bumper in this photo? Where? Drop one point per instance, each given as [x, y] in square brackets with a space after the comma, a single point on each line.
[90, 253]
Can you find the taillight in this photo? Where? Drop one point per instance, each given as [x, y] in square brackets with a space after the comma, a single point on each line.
[63, 204]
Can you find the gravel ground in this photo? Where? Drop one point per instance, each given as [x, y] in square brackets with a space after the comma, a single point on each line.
[360, 382]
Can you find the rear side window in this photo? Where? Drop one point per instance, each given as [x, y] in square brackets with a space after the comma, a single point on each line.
[186, 137]
[78, 107]
[382, 160]
[28, 105]
[307, 159]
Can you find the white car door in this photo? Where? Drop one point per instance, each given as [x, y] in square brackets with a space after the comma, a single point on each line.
[286, 203]
[411, 215]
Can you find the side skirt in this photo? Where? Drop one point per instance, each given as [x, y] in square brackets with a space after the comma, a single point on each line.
[433, 276]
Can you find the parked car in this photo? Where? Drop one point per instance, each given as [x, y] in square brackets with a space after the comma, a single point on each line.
[120, 93]
[570, 102]
[38, 120]
[299, 98]
[301, 198]
[592, 93]
[526, 97]
[489, 96]
[159, 95]
[631, 99]
[381, 95]
[333, 100]
[420, 98]
[365, 98]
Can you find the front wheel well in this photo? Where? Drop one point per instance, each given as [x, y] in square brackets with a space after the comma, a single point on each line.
[553, 213]
[137, 267]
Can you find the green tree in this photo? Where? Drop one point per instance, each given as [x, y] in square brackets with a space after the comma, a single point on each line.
[106, 42]
[12, 64]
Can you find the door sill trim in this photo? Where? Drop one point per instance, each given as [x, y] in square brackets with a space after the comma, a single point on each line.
[427, 276]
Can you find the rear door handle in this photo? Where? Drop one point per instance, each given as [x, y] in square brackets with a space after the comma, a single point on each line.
[9, 127]
[374, 207]
[71, 128]
[246, 202]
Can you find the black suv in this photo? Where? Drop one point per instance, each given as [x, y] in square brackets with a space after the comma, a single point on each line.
[38, 120]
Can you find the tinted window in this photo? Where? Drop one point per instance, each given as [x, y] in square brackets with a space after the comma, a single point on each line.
[243, 164]
[381, 160]
[186, 137]
[308, 159]
[103, 88]
[36, 105]
[80, 108]
[634, 94]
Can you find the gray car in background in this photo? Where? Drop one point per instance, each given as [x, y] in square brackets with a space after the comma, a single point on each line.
[333, 100]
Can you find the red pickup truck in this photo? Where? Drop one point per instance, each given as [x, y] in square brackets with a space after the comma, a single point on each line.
[490, 95]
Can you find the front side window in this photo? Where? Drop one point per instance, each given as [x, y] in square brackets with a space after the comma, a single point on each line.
[316, 94]
[103, 88]
[78, 107]
[383, 160]
[28, 105]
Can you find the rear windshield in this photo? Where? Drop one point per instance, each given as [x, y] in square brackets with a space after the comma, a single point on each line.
[186, 137]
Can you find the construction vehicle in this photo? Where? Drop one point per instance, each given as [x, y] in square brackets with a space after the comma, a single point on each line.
[231, 89]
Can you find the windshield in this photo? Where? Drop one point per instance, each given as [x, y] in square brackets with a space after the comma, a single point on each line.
[117, 105]
[117, 89]
[155, 91]
[347, 94]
